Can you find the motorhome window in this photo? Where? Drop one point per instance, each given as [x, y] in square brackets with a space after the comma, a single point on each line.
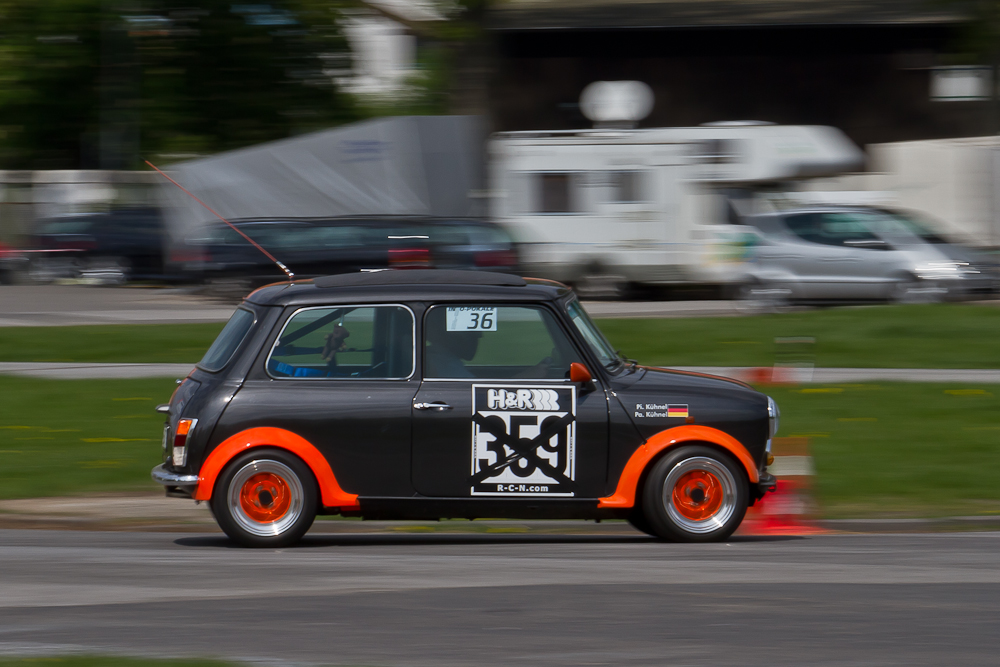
[555, 193]
[626, 186]
[717, 151]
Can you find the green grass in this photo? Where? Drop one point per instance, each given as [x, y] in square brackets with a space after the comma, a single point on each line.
[918, 336]
[65, 437]
[138, 343]
[899, 449]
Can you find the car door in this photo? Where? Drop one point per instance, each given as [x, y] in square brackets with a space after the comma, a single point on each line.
[496, 415]
[342, 378]
[834, 262]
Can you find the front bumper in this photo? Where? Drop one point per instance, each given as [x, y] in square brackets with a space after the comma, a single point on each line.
[176, 485]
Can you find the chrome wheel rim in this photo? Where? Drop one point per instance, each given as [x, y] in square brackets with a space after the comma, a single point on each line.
[265, 498]
[699, 495]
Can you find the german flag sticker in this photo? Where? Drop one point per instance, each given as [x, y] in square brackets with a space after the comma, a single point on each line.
[677, 411]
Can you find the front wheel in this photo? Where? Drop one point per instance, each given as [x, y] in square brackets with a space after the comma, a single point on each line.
[265, 498]
[695, 494]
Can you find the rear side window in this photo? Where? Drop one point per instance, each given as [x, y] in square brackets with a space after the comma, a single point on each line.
[345, 342]
[228, 341]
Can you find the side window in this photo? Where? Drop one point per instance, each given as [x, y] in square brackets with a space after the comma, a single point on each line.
[495, 342]
[836, 229]
[345, 342]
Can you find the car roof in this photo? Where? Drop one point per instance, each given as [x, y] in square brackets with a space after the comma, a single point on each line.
[408, 285]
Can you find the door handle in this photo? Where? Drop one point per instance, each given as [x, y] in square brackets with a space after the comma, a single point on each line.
[437, 405]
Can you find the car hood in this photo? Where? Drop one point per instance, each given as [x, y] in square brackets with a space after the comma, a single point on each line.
[657, 399]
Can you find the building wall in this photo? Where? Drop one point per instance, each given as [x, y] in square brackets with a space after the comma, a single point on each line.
[873, 82]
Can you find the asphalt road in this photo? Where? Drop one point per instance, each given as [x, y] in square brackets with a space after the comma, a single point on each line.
[506, 599]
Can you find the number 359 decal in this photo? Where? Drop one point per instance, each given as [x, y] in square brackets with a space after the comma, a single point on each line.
[523, 440]
[472, 318]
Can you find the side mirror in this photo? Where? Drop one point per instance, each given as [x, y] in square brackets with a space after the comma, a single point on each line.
[578, 374]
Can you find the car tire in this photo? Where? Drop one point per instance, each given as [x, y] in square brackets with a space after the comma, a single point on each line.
[755, 297]
[695, 494]
[910, 290]
[265, 498]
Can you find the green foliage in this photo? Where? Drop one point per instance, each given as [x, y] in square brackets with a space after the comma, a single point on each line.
[90, 83]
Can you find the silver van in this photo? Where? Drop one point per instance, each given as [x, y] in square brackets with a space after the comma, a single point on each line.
[859, 253]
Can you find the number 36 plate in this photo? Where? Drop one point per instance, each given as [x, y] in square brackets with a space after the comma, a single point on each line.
[472, 318]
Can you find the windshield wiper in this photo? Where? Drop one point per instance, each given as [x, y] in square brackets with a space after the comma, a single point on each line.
[621, 357]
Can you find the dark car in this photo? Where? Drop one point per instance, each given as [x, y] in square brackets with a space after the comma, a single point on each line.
[109, 247]
[453, 394]
[319, 247]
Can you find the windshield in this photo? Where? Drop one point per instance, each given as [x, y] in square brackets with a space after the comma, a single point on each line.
[229, 339]
[595, 339]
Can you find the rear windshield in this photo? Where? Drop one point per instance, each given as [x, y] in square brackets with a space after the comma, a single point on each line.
[228, 341]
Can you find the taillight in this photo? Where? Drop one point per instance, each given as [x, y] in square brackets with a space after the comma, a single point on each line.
[409, 258]
[189, 254]
[184, 428]
[489, 258]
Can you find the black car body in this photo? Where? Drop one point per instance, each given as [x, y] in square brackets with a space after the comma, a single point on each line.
[431, 394]
[313, 247]
[111, 247]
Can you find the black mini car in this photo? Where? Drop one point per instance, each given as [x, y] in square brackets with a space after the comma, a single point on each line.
[427, 394]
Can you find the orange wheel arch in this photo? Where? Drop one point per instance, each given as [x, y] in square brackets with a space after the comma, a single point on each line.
[624, 496]
[330, 492]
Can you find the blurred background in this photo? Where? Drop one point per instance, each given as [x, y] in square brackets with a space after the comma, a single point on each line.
[710, 175]
[635, 149]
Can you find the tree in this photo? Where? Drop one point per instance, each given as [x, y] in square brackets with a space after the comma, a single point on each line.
[100, 83]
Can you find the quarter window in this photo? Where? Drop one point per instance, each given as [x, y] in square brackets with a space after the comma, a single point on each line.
[345, 342]
[229, 339]
[495, 342]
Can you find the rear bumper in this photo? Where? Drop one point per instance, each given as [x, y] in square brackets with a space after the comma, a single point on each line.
[161, 475]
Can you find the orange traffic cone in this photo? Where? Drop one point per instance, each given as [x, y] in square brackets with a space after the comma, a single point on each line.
[790, 508]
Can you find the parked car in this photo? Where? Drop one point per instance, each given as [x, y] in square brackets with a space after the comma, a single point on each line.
[110, 247]
[319, 247]
[452, 394]
[860, 253]
[12, 263]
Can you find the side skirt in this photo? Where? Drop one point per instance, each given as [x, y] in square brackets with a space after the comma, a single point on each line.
[479, 508]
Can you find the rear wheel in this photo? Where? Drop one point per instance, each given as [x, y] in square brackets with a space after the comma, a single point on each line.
[265, 498]
[695, 494]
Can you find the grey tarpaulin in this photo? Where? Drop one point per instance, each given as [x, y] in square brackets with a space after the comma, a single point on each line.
[404, 165]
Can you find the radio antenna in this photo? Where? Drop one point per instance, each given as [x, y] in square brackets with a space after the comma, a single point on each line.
[291, 276]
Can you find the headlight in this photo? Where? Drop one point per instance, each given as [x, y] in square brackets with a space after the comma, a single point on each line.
[773, 417]
[945, 270]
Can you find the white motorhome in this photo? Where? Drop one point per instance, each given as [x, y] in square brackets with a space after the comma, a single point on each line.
[613, 207]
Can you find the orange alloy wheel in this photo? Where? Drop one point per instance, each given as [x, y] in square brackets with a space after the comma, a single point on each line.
[698, 495]
[265, 497]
